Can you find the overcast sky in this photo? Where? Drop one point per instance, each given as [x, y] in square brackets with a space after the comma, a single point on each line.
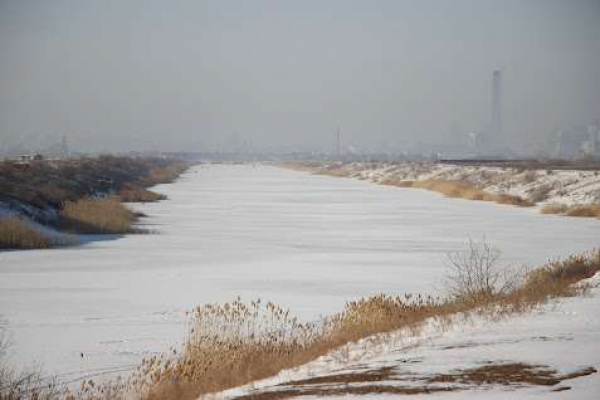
[189, 75]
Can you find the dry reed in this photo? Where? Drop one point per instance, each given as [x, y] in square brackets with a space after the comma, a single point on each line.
[582, 210]
[464, 190]
[233, 344]
[15, 233]
[96, 216]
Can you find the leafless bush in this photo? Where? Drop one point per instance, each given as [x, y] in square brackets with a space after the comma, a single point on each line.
[22, 385]
[477, 274]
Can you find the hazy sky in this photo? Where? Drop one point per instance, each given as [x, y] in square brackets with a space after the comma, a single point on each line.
[191, 74]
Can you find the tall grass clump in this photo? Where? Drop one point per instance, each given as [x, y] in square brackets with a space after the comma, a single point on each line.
[554, 209]
[15, 233]
[568, 271]
[590, 210]
[464, 190]
[582, 210]
[91, 216]
[236, 343]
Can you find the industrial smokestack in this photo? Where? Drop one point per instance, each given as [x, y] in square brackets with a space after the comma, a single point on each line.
[497, 104]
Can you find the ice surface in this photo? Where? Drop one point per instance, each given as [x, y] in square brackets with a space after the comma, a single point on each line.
[307, 242]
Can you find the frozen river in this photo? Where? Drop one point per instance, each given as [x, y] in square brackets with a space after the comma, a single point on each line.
[307, 242]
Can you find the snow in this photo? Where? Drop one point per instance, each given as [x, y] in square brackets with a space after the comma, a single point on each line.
[307, 242]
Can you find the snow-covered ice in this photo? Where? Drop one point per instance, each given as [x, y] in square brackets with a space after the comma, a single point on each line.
[307, 242]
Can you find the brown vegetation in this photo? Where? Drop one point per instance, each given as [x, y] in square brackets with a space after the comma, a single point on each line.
[464, 190]
[589, 210]
[16, 234]
[130, 193]
[96, 216]
[509, 374]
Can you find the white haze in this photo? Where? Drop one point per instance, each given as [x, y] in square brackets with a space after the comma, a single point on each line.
[200, 75]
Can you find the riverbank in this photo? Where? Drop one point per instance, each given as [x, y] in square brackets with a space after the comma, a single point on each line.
[554, 191]
[307, 242]
[48, 203]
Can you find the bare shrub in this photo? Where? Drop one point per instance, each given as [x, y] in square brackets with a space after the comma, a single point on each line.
[96, 216]
[478, 275]
[23, 385]
[15, 233]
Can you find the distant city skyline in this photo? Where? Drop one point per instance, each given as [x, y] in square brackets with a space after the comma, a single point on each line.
[394, 75]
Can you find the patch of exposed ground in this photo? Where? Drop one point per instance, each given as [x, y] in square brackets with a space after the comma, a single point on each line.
[395, 381]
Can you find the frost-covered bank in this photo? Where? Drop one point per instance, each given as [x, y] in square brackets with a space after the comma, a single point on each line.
[572, 192]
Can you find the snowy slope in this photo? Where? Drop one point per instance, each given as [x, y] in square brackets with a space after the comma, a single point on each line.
[541, 186]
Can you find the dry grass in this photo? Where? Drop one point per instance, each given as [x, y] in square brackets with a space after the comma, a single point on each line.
[130, 193]
[573, 269]
[107, 216]
[589, 210]
[554, 209]
[463, 190]
[233, 344]
[16, 234]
